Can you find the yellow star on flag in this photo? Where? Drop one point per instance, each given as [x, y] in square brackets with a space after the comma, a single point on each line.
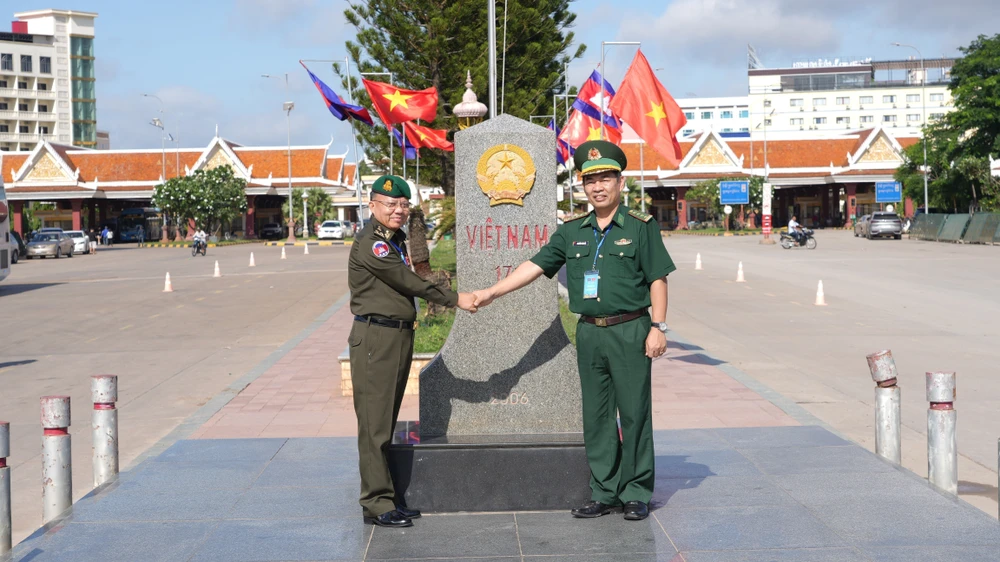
[422, 136]
[397, 99]
[595, 134]
[657, 113]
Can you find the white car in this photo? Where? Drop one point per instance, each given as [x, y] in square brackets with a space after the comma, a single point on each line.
[332, 229]
[80, 241]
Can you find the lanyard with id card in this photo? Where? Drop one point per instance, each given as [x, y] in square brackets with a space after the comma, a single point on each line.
[591, 277]
[406, 260]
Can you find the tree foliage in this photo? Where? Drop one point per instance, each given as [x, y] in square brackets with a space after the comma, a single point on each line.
[707, 193]
[211, 198]
[434, 42]
[444, 216]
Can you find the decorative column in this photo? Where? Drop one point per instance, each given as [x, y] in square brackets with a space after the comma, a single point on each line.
[908, 207]
[191, 228]
[18, 214]
[251, 218]
[682, 208]
[92, 214]
[102, 211]
[851, 205]
[77, 205]
[824, 212]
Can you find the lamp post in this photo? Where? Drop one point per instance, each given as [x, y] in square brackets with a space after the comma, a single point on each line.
[287, 108]
[305, 216]
[158, 122]
[923, 120]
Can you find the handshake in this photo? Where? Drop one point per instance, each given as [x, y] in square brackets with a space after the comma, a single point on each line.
[471, 302]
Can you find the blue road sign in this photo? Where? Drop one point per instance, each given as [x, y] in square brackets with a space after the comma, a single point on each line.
[888, 192]
[734, 192]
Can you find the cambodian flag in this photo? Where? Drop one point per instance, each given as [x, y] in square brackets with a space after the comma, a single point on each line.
[563, 150]
[411, 152]
[588, 100]
[337, 106]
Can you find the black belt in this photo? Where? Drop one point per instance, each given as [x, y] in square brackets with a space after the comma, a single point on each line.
[388, 323]
[605, 321]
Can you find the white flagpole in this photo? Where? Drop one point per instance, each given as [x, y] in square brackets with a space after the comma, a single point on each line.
[357, 162]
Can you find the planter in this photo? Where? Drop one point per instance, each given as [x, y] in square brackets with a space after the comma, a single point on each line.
[420, 360]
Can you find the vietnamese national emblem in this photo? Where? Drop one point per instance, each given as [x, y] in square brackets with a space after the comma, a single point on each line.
[506, 174]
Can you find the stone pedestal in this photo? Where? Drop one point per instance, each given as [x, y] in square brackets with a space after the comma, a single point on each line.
[502, 399]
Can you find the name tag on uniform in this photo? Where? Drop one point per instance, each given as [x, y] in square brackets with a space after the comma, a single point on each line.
[590, 284]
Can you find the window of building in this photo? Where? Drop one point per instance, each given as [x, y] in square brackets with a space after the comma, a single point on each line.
[44, 130]
[767, 122]
[888, 118]
[937, 97]
[796, 121]
[866, 99]
[843, 101]
[867, 118]
[4, 129]
[22, 129]
[22, 107]
[81, 68]
[3, 84]
[81, 46]
[910, 117]
[726, 115]
[22, 85]
[767, 103]
[43, 108]
[25, 63]
[7, 62]
[819, 120]
[706, 114]
[45, 65]
[888, 99]
[689, 115]
[744, 114]
[83, 90]
[84, 111]
[687, 132]
[744, 129]
[796, 102]
[43, 86]
[843, 120]
[937, 116]
[912, 98]
[819, 101]
[3, 106]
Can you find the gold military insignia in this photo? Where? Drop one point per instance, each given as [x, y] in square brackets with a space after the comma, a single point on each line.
[387, 186]
[641, 216]
[594, 154]
[623, 242]
[506, 174]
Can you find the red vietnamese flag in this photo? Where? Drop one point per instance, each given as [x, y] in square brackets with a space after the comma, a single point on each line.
[425, 137]
[395, 105]
[649, 109]
[580, 128]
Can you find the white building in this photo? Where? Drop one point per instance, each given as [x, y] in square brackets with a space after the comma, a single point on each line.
[729, 117]
[47, 80]
[840, 95]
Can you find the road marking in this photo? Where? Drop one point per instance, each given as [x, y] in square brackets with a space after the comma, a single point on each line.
[218, 292]
[88, 341]
[123, 328]
[199, 299]
[179, 306]
[234, 286]
[796, 303]
[769, 294]
[153, 316]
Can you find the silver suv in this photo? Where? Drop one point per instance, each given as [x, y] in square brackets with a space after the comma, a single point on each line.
[885, 224]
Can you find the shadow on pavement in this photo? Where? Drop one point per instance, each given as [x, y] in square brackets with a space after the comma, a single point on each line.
[16, 288]
[16, 363]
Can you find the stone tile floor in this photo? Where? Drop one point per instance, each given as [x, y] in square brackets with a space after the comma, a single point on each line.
[728, 494]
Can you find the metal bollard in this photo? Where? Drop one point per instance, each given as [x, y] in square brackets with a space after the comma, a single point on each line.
[5, 524]
[104, 427]
[887, 433]
[942, 446]
[57, 458]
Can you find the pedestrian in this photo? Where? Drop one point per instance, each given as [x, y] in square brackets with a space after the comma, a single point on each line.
[92, 241]
[383, 299]
[111, 237]
[617, 270]
[104, 236]
[141, 235]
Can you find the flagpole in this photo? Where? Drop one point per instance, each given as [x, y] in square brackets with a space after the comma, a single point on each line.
[418, 160]
[357, 161]
[491, 38]
[642, 176]
[403, 145]
[604, 75]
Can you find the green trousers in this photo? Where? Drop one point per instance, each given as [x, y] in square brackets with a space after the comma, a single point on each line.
[615, 378]
[380, 366]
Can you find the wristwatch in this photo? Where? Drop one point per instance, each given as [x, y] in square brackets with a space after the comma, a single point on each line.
[661, 326]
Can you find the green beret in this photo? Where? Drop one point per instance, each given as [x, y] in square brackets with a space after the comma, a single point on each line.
[391, 186]
[596, 156]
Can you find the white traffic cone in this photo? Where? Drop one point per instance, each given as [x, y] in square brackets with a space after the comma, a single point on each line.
[167, 287]
[283, 253]
[307, 249]
[252, 264]
[217, 272]
[739, 274]
[820, 297]
[697, 262]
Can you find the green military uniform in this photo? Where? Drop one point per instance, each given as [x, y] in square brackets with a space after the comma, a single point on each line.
[383, 288]
[614, 369]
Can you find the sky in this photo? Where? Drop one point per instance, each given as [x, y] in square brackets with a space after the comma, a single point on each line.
[205, 58]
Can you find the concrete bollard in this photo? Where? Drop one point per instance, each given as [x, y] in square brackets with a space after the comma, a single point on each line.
[942, 446]
[887, 400]
[5, 523]
[57, 458]
[104, 427]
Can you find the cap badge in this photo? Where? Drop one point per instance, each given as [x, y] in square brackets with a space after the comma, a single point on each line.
[387, 186]
[594, 154]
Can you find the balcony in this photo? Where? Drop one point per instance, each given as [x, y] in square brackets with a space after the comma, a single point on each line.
[32, 94]
[25, 137]
[27, 115]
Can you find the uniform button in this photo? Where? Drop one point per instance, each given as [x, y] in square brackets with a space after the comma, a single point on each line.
[577, 255]
[621, 253]
[600, 255]
[598, 299]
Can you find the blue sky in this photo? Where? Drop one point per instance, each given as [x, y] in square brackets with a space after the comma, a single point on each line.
[204, 58]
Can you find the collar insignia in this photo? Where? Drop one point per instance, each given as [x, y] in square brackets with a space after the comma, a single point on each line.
[594, 154]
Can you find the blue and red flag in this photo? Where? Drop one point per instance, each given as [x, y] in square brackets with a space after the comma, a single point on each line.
[410, 152]
[563, 149]
[336, 104]
[588, 100]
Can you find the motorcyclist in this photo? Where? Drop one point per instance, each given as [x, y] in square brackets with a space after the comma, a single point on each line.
[795, 229]
[199, 238]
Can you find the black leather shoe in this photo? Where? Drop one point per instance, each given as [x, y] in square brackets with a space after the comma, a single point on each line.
[390, 519]
[636, 511]
[407, 512]
[593, 509]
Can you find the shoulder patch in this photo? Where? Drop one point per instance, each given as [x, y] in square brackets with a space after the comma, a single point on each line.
[641, 216]
[576, 218]
[380, 249]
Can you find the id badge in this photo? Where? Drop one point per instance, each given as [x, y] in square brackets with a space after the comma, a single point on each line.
[590, 284]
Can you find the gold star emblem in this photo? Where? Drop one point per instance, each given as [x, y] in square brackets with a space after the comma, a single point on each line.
[595, 134]
[397, 99]
[657, 113]
[506, 160]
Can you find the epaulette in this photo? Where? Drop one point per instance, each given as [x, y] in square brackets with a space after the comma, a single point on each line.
[577, 217]
[640, 215]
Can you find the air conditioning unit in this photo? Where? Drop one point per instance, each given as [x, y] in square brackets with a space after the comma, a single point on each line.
[802, 109]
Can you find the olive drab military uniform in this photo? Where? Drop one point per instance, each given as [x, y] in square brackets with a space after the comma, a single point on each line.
[383, 288]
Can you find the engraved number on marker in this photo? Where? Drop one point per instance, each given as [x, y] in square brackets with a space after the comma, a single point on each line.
[503, 271]
[513, 399]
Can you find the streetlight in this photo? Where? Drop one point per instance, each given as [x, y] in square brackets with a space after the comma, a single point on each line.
[287, 108]
[305, 216]
[923, 121]
[157, 122]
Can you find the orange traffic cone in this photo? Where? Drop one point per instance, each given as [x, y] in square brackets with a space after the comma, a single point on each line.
[252, 264]
[283, 253]
[167, 287]
[307, 249]
[697, 262]
[217, 272]
[820, 297]
[739, 274]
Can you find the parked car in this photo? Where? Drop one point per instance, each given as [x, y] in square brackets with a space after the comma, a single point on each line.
[271, 230]
[80, 241]
[49, 229]
[55, 244]
[861, 227]
[335, 230]
[18, 248]
[885, 224]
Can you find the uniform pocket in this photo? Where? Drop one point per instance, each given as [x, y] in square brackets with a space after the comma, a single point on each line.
[623, 262]
[357, 334]
[578, 260]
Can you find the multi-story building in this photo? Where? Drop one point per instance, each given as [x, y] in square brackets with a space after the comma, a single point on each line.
[47, 85]
[839, 95]
[730, 117]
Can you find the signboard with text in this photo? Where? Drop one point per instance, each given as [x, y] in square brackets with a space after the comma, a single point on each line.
[888, 192]
[766, 199]
[734, 192]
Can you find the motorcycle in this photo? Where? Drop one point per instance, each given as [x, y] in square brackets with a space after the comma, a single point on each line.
[788, 241]
[199, 247]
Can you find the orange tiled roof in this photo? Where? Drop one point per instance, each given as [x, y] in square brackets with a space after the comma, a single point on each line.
[108, 166]
[651, 158]
[349, 174]
[11, 162]
[812, 153]
[47, 188]
[704, 176]
[306, 162]
[333, 165]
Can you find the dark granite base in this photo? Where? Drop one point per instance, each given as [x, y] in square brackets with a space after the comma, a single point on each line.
[490, 472]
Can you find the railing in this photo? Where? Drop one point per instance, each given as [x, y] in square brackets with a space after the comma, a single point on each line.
[26, 137]
[28, 115]
[25, 93]
[849, 87]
